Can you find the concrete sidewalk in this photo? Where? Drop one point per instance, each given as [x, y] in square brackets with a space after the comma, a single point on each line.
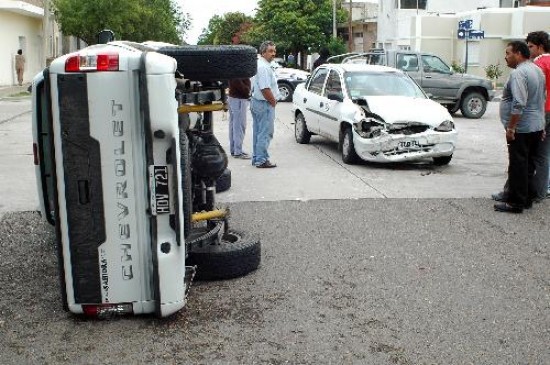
[10, 91]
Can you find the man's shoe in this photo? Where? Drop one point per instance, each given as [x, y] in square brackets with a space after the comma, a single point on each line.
[499, 197]
[507, 208]
[243, 156]
[266, 165]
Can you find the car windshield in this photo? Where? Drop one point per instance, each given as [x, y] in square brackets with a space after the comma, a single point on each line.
[381, 83]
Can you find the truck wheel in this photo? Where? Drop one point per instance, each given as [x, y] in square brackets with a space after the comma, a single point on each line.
[443, 160]
[285, 90]
[349, 156]
[212, 63]
[223, 182]
[473, 105]
[186, 184]
[234, 256]
[301, 133]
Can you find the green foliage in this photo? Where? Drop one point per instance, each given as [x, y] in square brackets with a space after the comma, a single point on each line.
[337, 46]
[294, 25]
[493, 72]
[134, 20]
[458, 67]
[226, 29]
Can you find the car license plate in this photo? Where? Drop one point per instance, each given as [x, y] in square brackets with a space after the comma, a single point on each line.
[160, 189]
[408, 145]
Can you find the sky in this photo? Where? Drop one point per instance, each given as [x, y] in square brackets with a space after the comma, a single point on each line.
[202, 10]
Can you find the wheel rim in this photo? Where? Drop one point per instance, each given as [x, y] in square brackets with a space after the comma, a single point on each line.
[475, 105]
[283, 90]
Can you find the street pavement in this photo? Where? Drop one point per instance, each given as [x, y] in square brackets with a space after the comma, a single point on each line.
[362, 264]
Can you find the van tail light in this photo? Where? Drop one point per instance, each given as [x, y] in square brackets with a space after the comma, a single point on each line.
[92, 62]
[106, 311]
[35, 154]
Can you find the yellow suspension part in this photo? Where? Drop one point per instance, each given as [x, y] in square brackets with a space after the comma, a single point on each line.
[193, 108]
[203, 216]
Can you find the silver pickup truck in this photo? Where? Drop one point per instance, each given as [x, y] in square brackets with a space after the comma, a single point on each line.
[455, 91]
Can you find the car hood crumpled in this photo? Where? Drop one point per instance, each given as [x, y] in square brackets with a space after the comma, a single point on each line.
[395, 109]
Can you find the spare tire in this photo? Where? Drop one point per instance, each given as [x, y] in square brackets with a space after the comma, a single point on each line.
[213, 63]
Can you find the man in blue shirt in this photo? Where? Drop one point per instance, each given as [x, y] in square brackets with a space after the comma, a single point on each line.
[265, 93]
[522, 114]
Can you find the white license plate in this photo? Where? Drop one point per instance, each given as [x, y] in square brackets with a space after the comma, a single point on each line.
[408, 145]
[160, 189]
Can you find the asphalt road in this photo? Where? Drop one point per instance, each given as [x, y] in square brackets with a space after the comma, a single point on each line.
[365, 264]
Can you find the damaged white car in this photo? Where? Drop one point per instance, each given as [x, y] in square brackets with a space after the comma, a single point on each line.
[375, 113]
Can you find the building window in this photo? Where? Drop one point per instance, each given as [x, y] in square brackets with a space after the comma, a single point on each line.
[358, 35]
[413, 4]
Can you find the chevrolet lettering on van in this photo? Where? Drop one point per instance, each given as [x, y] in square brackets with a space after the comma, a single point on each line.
[120, 187]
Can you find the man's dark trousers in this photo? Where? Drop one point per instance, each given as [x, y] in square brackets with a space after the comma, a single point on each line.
[521, 168]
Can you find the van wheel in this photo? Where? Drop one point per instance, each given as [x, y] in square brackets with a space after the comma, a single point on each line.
[212, 63]
[186, 184]
[235, 255]
[349, 155]
[473, 105]
[223, 182]
[301, 133]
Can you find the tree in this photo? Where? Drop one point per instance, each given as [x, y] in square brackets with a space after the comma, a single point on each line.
[133, 20]
[226, 29]
[295, 25]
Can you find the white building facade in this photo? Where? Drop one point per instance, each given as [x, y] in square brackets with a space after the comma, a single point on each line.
[395, 17]
[26, 25]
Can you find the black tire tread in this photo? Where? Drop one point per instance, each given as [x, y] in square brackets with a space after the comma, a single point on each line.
[223, 183]
[227, 260]
[211, 63]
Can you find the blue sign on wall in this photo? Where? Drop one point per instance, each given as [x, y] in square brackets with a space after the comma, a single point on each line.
[465, 24]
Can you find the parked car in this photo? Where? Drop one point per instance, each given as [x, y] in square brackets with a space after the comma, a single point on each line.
[288, 79]
[455, 91]
[375, 113]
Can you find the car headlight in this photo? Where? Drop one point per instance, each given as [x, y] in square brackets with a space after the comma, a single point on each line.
[369, 127]
[446, 126]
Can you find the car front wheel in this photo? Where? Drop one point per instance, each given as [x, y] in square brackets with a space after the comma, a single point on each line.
[473, 105]
[443, 160]
[285, 90]
[349, 156]
[302, 134]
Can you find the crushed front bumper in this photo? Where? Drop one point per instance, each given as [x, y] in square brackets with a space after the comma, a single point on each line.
[400, 147]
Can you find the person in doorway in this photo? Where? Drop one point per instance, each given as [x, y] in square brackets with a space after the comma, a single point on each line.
[323, 57]
[20, 66]
[238, 100]
[265, 94]
[522, 115]
[539, 48]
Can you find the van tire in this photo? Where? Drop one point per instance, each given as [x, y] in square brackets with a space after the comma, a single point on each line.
[223, 183]
[235, 255]
[213, 63]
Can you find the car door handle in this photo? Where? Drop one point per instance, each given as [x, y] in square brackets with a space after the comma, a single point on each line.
[321, 104]
[428, 76]
[305, 100]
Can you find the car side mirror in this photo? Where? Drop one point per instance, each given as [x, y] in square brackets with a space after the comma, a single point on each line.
[335, 96]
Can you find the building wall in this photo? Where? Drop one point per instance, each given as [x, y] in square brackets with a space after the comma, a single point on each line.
[19, 31]
[431, 34]
[394, 24]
